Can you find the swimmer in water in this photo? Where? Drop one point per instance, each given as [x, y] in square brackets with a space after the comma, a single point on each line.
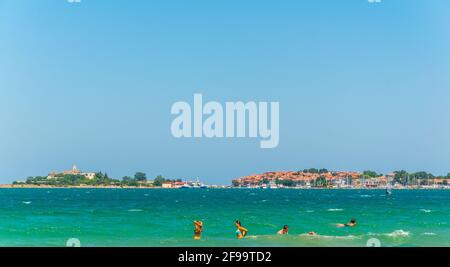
[352, 223]
[284, 231]
[198, 230]
[241, 232]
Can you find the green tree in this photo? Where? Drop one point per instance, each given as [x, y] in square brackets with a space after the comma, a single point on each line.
[140, 177]
[127, 179]
[321, 181]
[287, 183]
[371, 174]
[401, 177]
[235, 183]
[159, 180]
[133, 183]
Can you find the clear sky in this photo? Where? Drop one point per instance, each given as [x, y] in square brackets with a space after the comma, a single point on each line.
[360, 85]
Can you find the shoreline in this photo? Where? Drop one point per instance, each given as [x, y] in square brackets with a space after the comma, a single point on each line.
[74, 186]
[25, 186]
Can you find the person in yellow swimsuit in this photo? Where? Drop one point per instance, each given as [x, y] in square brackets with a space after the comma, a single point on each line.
[241, 232]
[198, 230]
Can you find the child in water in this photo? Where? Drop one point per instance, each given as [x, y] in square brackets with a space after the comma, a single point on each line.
[284, 231]
[198, 230]
[241, 231]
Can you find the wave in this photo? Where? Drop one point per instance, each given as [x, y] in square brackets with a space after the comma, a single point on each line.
[302, 236]
[335, 209]
[26, 202]
[426, 211]
[135, 210]
[398, 233]
[365, 196]
[260, 236]
[330, 236]
[429, 234]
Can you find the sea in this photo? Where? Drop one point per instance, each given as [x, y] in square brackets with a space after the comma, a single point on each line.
[164, 217]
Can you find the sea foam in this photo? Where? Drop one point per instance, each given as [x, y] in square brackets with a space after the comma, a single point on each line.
[429, 234]
[335, 209]
[399, 233]
[135, 210]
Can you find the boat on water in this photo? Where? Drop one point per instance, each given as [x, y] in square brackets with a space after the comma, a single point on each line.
[194, 185]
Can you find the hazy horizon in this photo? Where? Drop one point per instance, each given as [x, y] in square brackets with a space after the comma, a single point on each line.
[361, 86]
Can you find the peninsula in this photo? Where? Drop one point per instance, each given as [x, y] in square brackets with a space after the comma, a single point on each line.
[79, 179]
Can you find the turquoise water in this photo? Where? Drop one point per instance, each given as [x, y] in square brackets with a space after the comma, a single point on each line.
[157, 217]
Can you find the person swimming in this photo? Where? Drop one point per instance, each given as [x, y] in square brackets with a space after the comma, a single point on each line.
[284, 231]
[198, 230]
[352, 223]
[241, 232]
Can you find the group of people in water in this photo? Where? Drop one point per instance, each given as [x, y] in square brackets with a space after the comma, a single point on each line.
[242, 232]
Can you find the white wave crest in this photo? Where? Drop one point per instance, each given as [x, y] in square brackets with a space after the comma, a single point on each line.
[399, 233]
[335, 209]
[429, 234]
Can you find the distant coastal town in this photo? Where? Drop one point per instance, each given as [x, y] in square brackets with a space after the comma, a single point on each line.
[323, 178]
[305, 179]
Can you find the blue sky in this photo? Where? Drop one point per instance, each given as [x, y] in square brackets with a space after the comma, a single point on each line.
[360, 85]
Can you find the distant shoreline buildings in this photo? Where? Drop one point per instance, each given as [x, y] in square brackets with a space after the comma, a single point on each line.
[322, 178]
[307, 178]
[73, 171]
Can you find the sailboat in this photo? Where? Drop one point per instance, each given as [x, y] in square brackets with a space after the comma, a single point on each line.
[388, 188]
